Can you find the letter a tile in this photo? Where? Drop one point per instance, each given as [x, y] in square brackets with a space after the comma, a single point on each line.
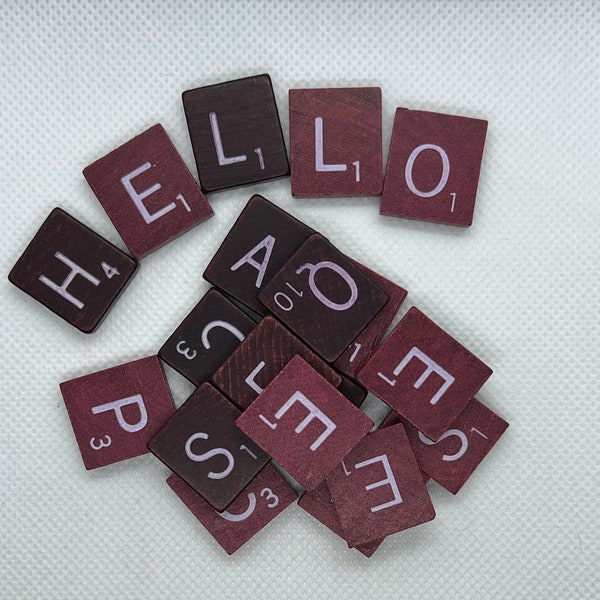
[304, 423]
[433, 167]
[378, 488]
[116, 411]
[73, 271]
[147, 191]
[265, 497]
[424, 374]
[235, 132]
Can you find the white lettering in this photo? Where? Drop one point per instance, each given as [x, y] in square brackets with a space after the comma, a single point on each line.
[409, 169]
[118, 405]
[261, 267]
[389, 480]
[207, 455]
[326, 264]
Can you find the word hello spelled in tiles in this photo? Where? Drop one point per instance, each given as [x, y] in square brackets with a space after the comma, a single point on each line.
[286, 344]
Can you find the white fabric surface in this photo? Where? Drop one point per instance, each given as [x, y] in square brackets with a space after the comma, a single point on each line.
[520, 288]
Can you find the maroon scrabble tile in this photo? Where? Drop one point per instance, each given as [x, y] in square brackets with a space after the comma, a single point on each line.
[433, 167]
[147, 191]
[378, 489]
[260, 357]
[335, 141]
[72, 271]
[319, 504]
[452, 459]
[424, 374]
[265, 497]
[235, 133]
[323, 297]
[361, 349]
[260, 242]
[206, 337]
[304, 423]
[201, 443]
[116, 411]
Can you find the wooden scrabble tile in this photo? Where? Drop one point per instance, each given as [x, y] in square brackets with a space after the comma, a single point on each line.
[335, 141]
[147, 191]
[378, 490]
[319, 504]
[116, 411]
[260, 357]
[73, 271]
[424, 374]
[201, 443]
[433, 167]
[452, 459]
[260, 242]
[353, 359]
[206, 337]
[235, 133]
[304, 423]
[265, 497]
[323, 297]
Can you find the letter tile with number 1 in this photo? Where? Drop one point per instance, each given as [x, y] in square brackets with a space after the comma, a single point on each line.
[116, 411]
[147, 191]
[304, 423]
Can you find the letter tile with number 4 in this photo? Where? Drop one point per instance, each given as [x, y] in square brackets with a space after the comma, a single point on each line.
[433, 167]
[335, 141]
[265, 497]
[323, 297]
[201, 443]
[304, 423]
[147, 191]
[72, 271]
[452, 459]
[116, 411]
[424, 374]
[378, 488]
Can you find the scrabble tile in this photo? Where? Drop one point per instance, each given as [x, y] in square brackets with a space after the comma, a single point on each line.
[424, 374]
[361, 349]
[147, 191]
[452, 459]
[201, 443]
[304, 423]
[206, 337]
[335, 141]
[235, 133]
[260, 242]
[73, 271]
[378, 490]
[433, 167]
[116, 411]
[352, 390]
[323, 297]
[265, 497]
[319, 504]
[260, 357]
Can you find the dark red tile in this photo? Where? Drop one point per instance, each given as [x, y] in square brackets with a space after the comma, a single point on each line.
[260, 357]
[265, 497]
[260, 242]
[424, 374]
[304, 423]
[378, 489]
[235, 133]
[147, 191]
[323, 297]
[335, 141]
[433, 167]
[116, 411]
[206, 337]
[202, 444]
[319, 504]
[452, 459]
[72, 271]
[354, 358]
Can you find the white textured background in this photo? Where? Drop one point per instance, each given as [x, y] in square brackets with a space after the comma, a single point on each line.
[520, 288]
